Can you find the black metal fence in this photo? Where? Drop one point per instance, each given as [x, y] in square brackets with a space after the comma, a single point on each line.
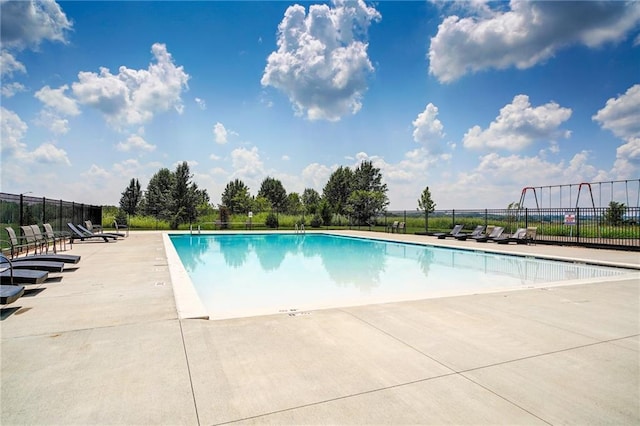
[17, 210]
[589, 227]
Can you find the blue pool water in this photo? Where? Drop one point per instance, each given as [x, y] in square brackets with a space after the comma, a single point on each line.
[238, 275]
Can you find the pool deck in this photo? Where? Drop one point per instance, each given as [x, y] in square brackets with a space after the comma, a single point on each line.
[103, 344]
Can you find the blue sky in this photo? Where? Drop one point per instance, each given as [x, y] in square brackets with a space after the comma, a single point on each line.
[475, 100]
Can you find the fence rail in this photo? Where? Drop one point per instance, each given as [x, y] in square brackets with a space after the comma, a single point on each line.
[18, 209]
[589, 227]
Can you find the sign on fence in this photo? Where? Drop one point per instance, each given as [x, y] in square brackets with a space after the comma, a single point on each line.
[570, 219]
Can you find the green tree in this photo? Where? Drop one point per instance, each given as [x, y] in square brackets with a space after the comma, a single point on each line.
[260, 204]
[363, 206]
[368, 198]
[272, 190]
[310, 200]
[236, 197]
[184, 197]
[614, 215]
[131, 197]
[324, 209]
[338, 188]
[293, 204]
[426, 204]
[157, 200]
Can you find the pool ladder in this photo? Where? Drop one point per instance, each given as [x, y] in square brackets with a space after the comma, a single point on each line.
[300, 230]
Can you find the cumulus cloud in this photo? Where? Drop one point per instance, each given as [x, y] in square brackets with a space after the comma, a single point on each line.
[621, 115]
[134, 96]
[12, 130]
[9, 90]
[428, 130]
[48, 153]
[247, 163]
[316, 176]
[28, 23]
[57, 101]
[322, 63]
[524, 34]
[135, 143]
[627, 164]
[53, 122]
[12, 133]
[220, 133]
[96, 171]
[9, 64]
[519, 125]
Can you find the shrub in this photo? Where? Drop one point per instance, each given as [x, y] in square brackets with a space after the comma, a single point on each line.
[271, 221]
[316, 221]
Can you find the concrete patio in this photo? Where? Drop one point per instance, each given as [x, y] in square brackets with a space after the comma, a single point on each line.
[104, 345]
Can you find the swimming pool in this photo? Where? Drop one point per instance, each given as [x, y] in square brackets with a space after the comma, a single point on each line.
[238, 275]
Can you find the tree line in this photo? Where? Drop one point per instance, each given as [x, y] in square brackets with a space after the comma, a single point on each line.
[357, 193]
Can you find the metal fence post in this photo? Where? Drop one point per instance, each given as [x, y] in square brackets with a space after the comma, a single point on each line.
[577, 224]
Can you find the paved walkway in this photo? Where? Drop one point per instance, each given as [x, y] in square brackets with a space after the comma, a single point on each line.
[103, 345]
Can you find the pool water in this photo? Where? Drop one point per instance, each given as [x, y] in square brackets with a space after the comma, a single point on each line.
[237, 275]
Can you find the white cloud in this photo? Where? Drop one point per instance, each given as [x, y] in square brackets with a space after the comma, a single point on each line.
[247, 166]
[621, 115]
[519, 125]
[96, 172]
[48, 154]
[135, 142]
[627, 164]
[525, 34]
[9, 64]
[428, 130]
[9, 90]
[322, 63]
[220, 133]
[28, 23]
[57, 101]
[12, 131]
[15, 153]
[201, 103]
[134, 96]
[316, 176]
[53, 122]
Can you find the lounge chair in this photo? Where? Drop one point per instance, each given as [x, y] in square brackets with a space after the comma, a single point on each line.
[56, 236]
[10, 275]
[475, 233]
[532, 232]
[38, 244]
[10, 293]
[91, 227]
[41, 239]
[37, 265]
[454, 232]
[16, 243]
[76, 234]
[402, 228]
[495, 233]
[118, 227]
[86, 231]
[518, 237]
[393, 227]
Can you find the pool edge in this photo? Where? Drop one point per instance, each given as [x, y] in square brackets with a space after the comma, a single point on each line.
[188, 303]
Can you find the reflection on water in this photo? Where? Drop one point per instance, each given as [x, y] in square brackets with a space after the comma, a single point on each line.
[264, 273]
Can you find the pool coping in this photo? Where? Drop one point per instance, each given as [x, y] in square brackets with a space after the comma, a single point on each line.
[189, 305]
